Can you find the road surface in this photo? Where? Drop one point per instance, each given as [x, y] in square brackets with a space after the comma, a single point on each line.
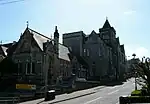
[101, 95]
[107, 95]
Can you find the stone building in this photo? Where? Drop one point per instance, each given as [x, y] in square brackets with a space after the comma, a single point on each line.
[102, 51]
[36, 54]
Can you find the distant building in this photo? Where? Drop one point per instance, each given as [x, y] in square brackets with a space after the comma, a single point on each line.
[101, 51]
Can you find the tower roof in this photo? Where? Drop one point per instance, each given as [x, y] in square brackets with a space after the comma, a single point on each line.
[56, 34]
[106, 24]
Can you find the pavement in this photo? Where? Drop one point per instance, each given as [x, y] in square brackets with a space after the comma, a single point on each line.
[97, 95]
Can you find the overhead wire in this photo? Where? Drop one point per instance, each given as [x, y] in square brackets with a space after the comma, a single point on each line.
[10, 2]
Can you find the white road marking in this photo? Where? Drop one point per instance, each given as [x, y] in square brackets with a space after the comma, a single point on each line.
[93, 100]
[113, 92]
[114, 87]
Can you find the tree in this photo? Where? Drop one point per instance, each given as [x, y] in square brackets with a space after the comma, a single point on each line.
[144, 72]
[134, 55]
[7, 66]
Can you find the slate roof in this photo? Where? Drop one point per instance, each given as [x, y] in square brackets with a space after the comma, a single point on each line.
[41, 39]
[93, 33]
[64, 52]
[7, 45]
[4, 49]
[8, 48]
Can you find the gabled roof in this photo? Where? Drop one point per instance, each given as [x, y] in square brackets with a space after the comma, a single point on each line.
[39, 38]
[4, 49]
[93, 32]
[8, 48]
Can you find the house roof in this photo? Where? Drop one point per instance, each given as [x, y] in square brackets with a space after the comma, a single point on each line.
[107, 26]
[12, 48]
[40, 39]
[7, 45]
[4, 49]
[64, 52]
[8, 48]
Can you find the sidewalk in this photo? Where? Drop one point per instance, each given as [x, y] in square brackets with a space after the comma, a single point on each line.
[64, 97]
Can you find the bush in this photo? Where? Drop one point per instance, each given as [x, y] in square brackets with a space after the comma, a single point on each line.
[136, 93]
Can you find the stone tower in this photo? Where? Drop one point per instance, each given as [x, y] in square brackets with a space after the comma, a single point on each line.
[56, 40]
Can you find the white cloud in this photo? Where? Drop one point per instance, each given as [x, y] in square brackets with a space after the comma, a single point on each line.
[139, 51]
[129, 12]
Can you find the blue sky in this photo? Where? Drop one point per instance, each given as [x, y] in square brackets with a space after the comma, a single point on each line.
[130, 18]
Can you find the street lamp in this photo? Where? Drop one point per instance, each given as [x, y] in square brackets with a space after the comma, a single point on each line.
[135, 71]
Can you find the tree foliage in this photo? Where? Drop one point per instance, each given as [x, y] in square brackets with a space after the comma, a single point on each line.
[7, 66]
[143, 71]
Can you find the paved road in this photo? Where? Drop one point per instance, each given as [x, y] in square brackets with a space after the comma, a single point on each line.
[101, 95]
[107, 95]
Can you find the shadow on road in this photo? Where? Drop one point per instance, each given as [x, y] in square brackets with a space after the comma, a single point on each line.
[113, 84]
